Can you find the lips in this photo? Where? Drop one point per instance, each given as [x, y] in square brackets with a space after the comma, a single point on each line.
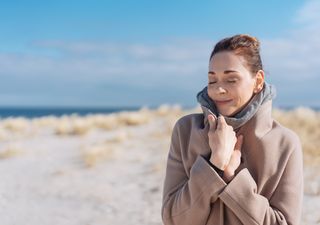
[222, 102]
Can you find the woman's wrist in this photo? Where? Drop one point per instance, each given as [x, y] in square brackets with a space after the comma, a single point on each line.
[228, 175]
[217, 164]
[217, 169]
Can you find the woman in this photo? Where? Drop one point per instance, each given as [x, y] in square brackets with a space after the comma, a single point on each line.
[233, 164]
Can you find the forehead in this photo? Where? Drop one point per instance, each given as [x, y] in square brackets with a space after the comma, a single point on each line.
[227, 60]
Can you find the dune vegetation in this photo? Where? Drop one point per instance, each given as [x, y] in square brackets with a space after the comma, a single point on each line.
[117, 153]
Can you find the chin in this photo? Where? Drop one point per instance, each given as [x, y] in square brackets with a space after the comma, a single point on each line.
[228, 113]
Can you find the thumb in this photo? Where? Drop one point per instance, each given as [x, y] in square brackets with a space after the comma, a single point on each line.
[221, 122]
[212, 121]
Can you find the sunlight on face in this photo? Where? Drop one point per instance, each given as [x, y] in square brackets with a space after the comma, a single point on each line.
[230, 83]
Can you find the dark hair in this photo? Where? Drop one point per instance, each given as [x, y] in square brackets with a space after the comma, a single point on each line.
[243, 45]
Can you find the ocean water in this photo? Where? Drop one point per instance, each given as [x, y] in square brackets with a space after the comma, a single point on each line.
[33, 112]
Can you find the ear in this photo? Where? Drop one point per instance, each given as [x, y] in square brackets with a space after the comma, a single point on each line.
[259, 81]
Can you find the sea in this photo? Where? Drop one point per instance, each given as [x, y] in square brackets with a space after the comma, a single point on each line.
[34, 112]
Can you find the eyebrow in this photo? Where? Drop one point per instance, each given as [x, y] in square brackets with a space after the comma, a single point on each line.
[225, 72]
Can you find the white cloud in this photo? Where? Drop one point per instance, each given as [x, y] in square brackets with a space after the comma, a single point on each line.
[87, 60]
[296, 55]
[105, 70]
[176, 66]
[309, 14]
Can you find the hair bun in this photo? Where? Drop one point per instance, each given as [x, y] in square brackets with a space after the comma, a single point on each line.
[243, 45]
[246, 41]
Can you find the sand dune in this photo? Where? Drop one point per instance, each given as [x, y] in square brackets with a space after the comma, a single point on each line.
[109, 169]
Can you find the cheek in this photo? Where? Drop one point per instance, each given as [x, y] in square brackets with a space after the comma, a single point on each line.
[243, 95]
[210, 92]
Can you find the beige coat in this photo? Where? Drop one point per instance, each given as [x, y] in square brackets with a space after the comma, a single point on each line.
[267, 188]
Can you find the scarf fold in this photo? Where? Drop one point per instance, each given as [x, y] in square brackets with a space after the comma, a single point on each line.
[267, 93]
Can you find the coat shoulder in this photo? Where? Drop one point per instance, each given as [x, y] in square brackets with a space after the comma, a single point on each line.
[189, 121]
[287, 136]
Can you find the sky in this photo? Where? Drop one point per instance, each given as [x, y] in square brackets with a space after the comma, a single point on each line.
[147, 53]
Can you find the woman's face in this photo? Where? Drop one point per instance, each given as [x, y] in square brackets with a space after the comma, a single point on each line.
[230, 84]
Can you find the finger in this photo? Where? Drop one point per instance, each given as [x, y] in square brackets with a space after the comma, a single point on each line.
[212, 121]
[239, 142]
[221, 122]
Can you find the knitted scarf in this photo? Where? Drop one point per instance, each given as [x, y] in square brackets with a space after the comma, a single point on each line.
[267, 93]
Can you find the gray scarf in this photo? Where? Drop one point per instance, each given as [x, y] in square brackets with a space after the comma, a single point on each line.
[267, 93]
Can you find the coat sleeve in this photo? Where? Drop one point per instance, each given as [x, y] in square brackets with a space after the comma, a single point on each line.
[285, 205]
[188, 199]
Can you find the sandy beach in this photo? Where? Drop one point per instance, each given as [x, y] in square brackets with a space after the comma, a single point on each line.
[109, 168]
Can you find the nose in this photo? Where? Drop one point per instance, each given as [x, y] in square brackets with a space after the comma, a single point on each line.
[220, 90]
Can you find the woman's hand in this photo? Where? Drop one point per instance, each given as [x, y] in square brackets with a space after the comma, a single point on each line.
[221, 141]
[225, 147]
[234, 162]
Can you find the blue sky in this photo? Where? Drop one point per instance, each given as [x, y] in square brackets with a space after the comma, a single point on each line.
[146, 53]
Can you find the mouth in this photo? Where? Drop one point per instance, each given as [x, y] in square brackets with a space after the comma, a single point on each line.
[222, 102]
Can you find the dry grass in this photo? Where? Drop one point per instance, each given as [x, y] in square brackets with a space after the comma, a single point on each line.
[73, 125]
[306, 123]
[3, 134]
[142, 116]
[46, 121]
[106, 122]
[82, 125]
[97, 153]
[10, 151]
[164, 110]
[119, 137]
[18, 124]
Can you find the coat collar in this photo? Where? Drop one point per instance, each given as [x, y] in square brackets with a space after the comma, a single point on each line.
[260, 123]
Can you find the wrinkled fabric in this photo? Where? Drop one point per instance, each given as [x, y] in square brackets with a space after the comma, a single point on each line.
[267, 93]
[268, 185]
